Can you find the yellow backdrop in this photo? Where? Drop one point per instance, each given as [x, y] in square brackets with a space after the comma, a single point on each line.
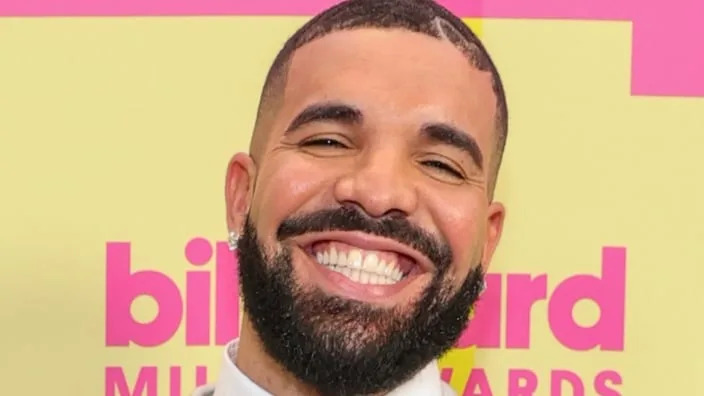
[119, 130]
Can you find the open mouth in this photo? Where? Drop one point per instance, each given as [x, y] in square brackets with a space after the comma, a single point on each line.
[364, 259]
[361, 265]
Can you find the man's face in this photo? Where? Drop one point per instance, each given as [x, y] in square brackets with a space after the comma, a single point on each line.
[370, 205]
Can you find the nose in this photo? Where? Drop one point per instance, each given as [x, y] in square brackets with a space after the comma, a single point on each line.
[379, 184]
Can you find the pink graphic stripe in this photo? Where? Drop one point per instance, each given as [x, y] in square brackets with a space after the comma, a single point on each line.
[668, 48]
[668, 54]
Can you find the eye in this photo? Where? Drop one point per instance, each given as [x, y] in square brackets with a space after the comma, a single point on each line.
[323, 142]
[443, 167]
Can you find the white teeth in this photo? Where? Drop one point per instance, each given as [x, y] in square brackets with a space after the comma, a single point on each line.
[360, 266]
[342, 259]
[374, 279]
[355, 276]
[371, 262]
[364, 277]
[333, 256]
[385, 268]
[354, 259]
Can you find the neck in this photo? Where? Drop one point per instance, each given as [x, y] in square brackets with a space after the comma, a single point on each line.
[262, 369]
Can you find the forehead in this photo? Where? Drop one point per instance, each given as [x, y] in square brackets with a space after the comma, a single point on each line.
[393, 76]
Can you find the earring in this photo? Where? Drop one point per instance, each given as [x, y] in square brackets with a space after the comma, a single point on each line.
[232, 239]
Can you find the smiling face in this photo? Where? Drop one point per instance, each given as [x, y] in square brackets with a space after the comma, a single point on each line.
[368, 212]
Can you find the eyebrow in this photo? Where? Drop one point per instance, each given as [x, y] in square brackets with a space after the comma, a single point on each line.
[346, 114]
[449, 135]
[335, 112]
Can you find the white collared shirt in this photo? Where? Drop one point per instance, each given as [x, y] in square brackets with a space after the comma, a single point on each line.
[233, 382]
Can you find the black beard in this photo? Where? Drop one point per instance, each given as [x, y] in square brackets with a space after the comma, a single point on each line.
[348, 347]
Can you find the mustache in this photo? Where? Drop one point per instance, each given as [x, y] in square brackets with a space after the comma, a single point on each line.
[346, 218]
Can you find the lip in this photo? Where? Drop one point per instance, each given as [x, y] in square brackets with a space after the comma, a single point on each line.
[366, 242]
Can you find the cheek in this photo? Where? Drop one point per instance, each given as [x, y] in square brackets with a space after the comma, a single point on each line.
[283, 190]
[461, 221]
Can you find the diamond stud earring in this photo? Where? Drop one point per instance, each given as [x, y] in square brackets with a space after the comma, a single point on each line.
[482, 289]
[232, 239]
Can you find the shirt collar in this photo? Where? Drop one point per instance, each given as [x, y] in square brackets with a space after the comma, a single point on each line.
[233, 382]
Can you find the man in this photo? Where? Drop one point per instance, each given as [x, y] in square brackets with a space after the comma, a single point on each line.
[363, 215]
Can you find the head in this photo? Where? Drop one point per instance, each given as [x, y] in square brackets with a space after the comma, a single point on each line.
[365, 203]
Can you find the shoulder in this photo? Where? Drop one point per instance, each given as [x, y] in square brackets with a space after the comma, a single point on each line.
[447, 390]
[205, 390]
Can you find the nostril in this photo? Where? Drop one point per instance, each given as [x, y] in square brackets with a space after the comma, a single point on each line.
[393, 213]
[352, 205]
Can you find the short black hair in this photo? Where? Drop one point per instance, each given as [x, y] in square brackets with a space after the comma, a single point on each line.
[420, 16]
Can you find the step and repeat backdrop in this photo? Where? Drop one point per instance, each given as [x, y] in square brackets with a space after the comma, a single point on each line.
[118, 118]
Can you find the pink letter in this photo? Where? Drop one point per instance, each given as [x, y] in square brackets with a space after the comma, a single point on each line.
[608, 292]
[529, 379]
[197, 308]
[175, 381]
[556, 378]
[115, 377]
[227, 307]
[446, 374]
[122, 287]
[201, 375]
[522, 292]
[484, 329]
[198, 252]
[477, 378]
[600, 383]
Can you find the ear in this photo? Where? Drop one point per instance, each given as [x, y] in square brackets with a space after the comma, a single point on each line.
[495, 226]
[239, 186]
